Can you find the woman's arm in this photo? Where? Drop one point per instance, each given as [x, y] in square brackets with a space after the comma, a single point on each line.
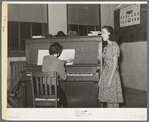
[115, 64]
[61, 70]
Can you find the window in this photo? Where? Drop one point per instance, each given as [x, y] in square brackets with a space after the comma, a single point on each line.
[18, 32]
[83, 30]
[84, 18]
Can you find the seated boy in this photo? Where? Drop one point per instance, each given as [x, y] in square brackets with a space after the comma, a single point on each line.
[52, 63]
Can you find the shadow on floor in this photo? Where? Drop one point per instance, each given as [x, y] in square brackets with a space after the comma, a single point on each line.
[133, 98]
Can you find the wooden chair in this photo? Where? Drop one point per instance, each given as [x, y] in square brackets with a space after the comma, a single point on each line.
[11, 94]
[23, 78]
[42, 89]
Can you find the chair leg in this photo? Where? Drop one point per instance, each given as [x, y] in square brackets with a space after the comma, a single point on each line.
[13, 102]
[14, 87]
[61, 106]
[8, 105]
[12, 94]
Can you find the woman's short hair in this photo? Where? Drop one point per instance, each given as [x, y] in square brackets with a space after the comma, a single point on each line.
[55, 48]
[112, 36]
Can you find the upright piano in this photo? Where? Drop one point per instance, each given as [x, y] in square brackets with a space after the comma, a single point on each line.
[81, 86]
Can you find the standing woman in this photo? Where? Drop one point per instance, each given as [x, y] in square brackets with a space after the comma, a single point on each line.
[110, 90]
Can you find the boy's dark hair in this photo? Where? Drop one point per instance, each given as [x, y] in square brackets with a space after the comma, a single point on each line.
[55, 48]
[112, 36]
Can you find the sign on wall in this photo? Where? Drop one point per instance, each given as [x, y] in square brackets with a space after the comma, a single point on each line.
[130, 15]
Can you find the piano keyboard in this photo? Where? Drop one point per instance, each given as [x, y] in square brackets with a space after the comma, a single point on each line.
[80, 74]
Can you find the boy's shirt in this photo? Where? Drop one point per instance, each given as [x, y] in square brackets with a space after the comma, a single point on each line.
[51, 63]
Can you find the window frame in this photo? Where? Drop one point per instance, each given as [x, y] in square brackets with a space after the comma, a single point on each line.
[19, 52]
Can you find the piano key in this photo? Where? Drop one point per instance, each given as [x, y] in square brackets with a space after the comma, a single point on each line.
[80, 74]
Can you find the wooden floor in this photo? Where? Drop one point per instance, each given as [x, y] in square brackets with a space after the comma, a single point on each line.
[133, 98]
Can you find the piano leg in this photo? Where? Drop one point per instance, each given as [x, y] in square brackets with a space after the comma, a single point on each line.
[24, 93]
[100, 105]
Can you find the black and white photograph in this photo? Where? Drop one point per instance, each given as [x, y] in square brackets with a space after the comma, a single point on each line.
[74, 60]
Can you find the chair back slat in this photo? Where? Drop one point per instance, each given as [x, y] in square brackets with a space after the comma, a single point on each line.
[50, 86]
[55, 86]
[55, 79]
[42, 88]
[32, 84]
[41, 85]
[37, 85]
[46, 91]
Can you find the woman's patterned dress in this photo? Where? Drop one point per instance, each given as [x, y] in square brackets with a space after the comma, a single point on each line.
[114, 93]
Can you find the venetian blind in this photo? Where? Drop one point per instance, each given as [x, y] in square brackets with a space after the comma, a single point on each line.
[83, 14]
[27, 12]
